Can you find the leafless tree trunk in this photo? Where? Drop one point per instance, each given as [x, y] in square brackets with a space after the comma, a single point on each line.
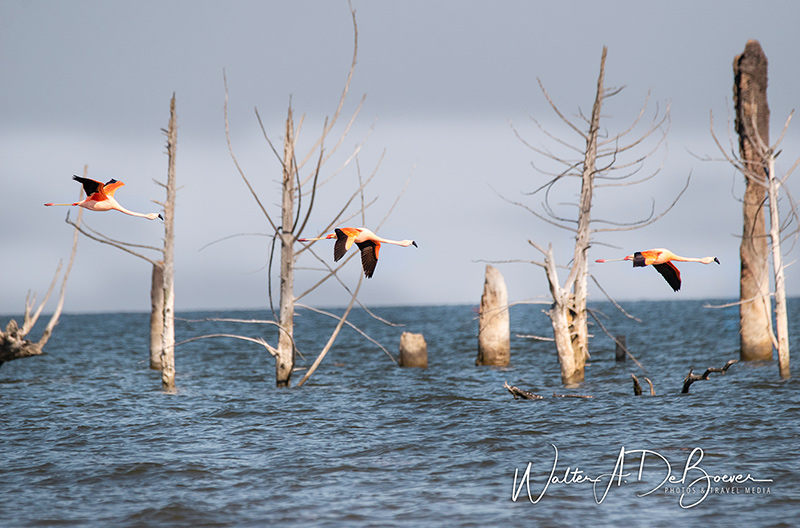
[299, 190]
[168, 273]
[568, 312]
[750, 99]
[284, 358]
[162, 294]
[756, 162]
[781, 315]
[580, 266]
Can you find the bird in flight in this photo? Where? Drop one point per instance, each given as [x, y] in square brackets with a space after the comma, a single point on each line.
[661, 259]
[100, 197]
[368, 242]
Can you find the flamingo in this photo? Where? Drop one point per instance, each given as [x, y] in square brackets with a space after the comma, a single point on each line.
[368, 242]
[661, 259]
[100, 197]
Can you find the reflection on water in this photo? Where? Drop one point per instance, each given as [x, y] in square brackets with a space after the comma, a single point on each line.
[88, 438]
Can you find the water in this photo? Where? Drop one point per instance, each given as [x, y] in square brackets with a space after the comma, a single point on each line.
[89, 439]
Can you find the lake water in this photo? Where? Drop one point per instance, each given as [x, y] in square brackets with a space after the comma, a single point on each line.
[87, 437]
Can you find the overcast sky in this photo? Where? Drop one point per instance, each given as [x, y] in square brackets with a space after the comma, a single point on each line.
[89, 83]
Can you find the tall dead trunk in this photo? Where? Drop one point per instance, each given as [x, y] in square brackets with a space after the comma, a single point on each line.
[168, 330]
[568, 313]
[494, 340]
[750, 99]
[781, 315]
[579, 327]
[284, 359]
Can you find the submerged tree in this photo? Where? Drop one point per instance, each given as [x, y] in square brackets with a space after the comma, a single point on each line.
[14, 342]
[162, 295]
[301, 180]
[619, 165]
[756, 161]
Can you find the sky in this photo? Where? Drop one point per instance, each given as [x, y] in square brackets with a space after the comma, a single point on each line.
[448, 86]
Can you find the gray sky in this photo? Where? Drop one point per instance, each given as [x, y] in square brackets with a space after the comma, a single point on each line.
[90, 82]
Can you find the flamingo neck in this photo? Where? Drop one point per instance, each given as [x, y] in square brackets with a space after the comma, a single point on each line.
[121, 209]
[678, 258]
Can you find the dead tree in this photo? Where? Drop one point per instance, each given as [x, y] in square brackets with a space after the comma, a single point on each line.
[14, 342]
[752, 122]
[601, 165]
[302, 177]
[162, 294]
[167, 295]
[756, 161]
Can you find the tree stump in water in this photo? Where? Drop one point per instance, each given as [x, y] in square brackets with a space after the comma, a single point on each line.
[413, 350]
[619, 352]
[750, 98]
[494, 341]
[13, 344]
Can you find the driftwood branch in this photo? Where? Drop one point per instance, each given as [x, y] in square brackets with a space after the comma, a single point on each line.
[637, 388]
[521, 394]
[691, 377]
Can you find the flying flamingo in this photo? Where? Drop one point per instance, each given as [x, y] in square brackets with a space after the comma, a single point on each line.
[368, 242]
[661, 259]
[100, 197]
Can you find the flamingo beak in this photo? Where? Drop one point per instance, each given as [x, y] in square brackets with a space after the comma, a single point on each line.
[414, 244]
[161, 217]
[716, 260]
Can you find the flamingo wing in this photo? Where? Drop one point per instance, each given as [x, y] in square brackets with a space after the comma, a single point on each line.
[344, 241]
[670, 273]
[111, 186]
[369, 256]
[91, 187]
[645, 258]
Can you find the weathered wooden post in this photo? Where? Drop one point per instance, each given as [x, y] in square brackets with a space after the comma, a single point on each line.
[619, 352]
[494, 341]
[750, 98]
[413, 350]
